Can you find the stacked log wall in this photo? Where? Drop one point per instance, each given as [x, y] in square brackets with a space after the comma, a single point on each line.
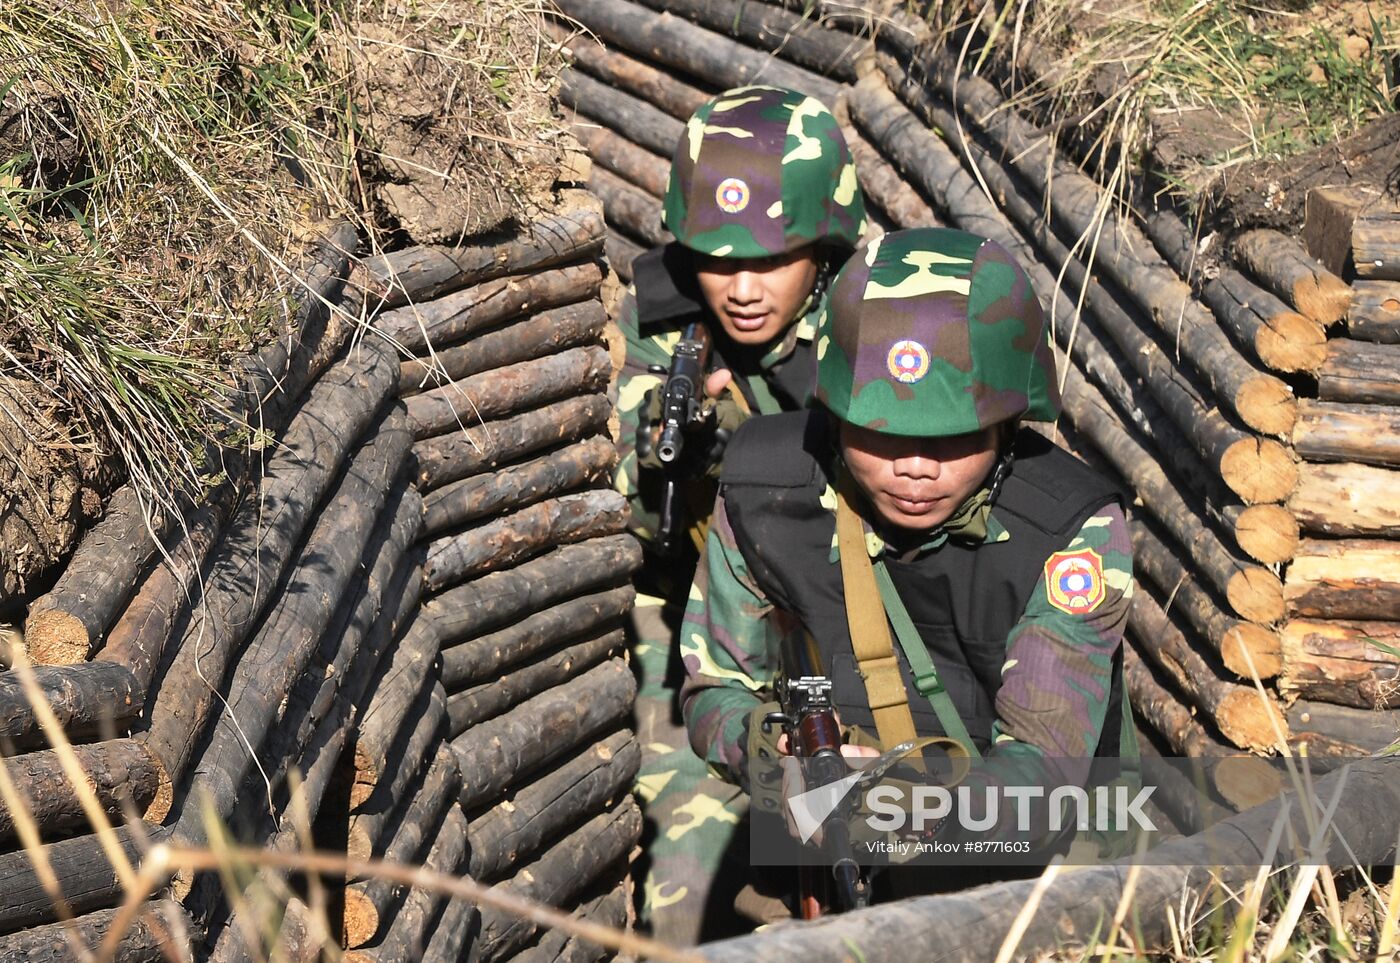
[401, 611]
[1242, 411]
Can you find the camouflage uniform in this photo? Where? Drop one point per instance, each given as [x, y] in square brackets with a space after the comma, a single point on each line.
[759, 172]
[929, 333]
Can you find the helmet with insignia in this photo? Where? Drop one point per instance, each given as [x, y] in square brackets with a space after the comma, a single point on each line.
[932, 332]
[762, 171]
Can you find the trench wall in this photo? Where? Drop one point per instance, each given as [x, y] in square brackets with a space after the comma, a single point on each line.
[407, 589]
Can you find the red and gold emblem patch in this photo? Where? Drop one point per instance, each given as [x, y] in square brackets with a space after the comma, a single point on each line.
[1074, 581]
[907, 361]
[732, 195]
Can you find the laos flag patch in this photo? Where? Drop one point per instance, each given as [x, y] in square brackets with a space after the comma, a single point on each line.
[1074, 581]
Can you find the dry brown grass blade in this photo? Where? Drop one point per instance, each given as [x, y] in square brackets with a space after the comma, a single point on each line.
[457, 887]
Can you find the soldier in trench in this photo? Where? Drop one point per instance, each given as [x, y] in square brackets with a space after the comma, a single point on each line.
[999, 567]
[764, 205]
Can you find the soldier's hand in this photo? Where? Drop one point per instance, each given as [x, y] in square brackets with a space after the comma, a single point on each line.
[795, 785]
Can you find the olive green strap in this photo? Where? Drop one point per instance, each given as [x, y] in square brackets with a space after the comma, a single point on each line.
[925, 673]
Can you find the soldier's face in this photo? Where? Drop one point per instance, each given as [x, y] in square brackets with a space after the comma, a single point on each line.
[756, 299]
[918, 483]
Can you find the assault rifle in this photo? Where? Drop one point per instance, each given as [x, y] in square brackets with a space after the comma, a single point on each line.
[808, 717]
[682, 407]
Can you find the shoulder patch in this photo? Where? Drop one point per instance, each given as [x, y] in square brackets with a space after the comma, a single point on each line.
[1074, 581]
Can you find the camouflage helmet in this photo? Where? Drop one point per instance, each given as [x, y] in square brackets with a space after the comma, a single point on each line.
[761, 171]
[932, 332]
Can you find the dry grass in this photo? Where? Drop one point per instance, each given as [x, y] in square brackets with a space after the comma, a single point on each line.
[163, 165]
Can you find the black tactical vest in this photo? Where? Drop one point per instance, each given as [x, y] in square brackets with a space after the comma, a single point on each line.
[964, 599]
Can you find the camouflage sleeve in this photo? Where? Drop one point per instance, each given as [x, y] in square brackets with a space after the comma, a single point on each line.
[634, 381]
[1059, 657]
[729, 640]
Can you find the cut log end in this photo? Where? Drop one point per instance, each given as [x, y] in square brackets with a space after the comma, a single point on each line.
[1267, 404]
[1268, 533]
[1250, 721]
[1259, 470]
[1245, 783]
[1256, 594]
[361, 919]
[1250, 649]
[1324, 298]
[55, 637]
[1291, 342]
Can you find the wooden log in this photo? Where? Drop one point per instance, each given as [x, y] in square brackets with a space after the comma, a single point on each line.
[317, 585]
[556, 946]
[370, 902]
[93, 699]
[628, 161]
[1280, 338]
[403, 680]
[63, 625]
[1342, 732]
[1375, 243]
[139, 637]
[1346, 579]
[514, 831]
[653, 129]
[412, 749]
[674, 42]
[1374, 314]
[408, 932]
[1240, 644]
[504, 597]
[1266, 533]
[351, 649]
[1071, 909]
[1165, 712]
[542, 334]
[482, 496]
[1246, 718]
[474, 706]
[573, 233]
[1278, 262]
[882, 184]
[795, 37]
[454, 928]
[1358, 371]
[558, 876]
[621, 72]
[1258, 470]
[1346, 663]
[371, 831]
[450, 457]
[81, 868]
[509, 390]
[1262, 401]
[248, 563]
[632, 211]
[454, 317]
[1328, 431]
[498, 754]
[486, 657]
[503, 542]
[121, 774]
[1347, 500]
[161, 931]
[1328, 216]
[1254, 593]
[621, 252]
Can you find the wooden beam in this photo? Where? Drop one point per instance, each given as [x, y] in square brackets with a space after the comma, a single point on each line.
[1344, 662]
[1374, 314]
[1344, 579]
[1359, 371]
[1347, 500]
[1329, 431]
[1281, 264]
